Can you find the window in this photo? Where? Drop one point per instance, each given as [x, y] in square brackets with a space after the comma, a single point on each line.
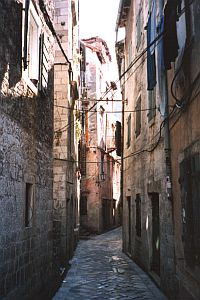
[29, 205]
[83, 206]
[31, 42]
[129, 131]
[138, 117]
[152, 104]
[189, 20]
[138, 215]
[102, 163]
[43, 64]
[118, 142]
[190, 195]
[108, 167]
[35, 50]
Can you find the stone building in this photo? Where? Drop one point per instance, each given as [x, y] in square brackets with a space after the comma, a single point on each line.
[39, 129]
[67, 132]
[26, 144]
[147, 201]
[158, 64]
[100, 168]
[184, 102]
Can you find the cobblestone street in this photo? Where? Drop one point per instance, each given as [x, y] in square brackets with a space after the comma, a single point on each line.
[100, 271]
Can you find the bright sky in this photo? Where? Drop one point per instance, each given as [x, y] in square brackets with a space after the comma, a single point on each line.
[98, 18]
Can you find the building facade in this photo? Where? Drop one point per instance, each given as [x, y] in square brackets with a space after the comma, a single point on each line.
[160, 85]
[100, 168]
[147, 201]
[26, 139]
[183, 85]
[40, 127]
[66, 129]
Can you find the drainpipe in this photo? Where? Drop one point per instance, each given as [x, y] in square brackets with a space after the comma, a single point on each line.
[167, 147]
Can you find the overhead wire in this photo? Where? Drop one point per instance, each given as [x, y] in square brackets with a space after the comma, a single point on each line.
[120, 77]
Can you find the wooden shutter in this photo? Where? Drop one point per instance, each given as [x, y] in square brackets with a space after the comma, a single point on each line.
[129, 131]
[118, 143]
[138, 117]
[43, 64]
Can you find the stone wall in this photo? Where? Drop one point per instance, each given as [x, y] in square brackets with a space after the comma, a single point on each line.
[26, 138]
[65, 155]
[144, 165]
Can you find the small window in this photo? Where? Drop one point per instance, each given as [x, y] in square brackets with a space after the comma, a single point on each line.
[138, 215]
[102, 163]
[83, 206]
[129, 131]
[152, 104]
[108, 167]
[138, 117]
[29, 205]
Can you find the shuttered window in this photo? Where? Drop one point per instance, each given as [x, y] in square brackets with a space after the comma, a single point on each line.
[118, 143]
[43, 64]
[152, 104]
[138, 117]
[129, 131]
[190, 197]
[35, 49]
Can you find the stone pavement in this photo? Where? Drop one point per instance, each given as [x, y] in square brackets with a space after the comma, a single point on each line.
[101, 271]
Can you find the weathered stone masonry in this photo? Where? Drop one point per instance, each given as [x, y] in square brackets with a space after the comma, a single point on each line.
[26, 138]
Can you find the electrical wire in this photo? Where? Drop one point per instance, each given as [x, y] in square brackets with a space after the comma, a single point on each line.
[157, 39]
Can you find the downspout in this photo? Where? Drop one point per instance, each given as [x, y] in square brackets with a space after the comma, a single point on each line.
[168, 171]
[167, 146]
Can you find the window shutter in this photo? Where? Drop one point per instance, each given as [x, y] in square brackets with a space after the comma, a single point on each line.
[152, 104]
[25, 58]
[138, 117]
[129, 131]
[43, 65]
[118, 143]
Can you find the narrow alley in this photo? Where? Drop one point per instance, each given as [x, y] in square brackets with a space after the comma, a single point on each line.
[99, 270]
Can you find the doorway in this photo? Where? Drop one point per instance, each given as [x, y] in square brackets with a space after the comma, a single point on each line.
[155, 233]
[129, 223]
